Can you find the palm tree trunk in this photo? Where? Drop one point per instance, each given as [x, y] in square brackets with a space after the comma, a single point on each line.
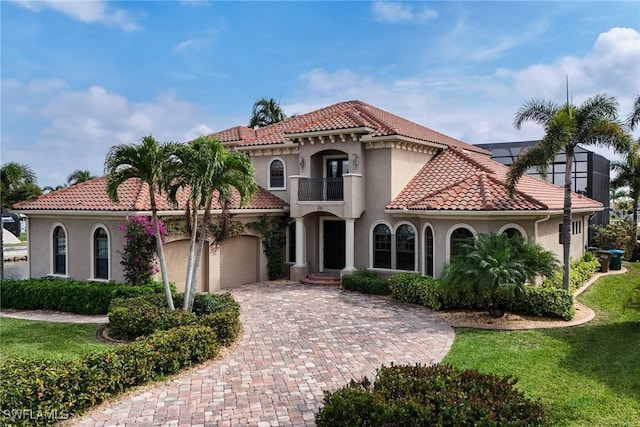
[203, 237]
[188, 285]
[161, 260]
[566, 222]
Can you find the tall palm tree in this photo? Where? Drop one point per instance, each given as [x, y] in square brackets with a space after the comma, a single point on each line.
[209, 172]
[634, 117]
[595, 122]
[147, 162]
[49, 189]
[78, 176]
[629, 176]
[266, 111]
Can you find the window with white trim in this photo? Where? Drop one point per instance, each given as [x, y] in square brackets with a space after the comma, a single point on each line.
[100, 254]
[428, 251]
[59, 250]
[276, 175]
[405, 248]
[381, 246]
[460, 237]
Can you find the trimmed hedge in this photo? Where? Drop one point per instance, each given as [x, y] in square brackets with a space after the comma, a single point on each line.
[552, 302]
[64, 388]
[130, 318]
[366, 282]
[581, 270]
[73, 296]
[429, 396]
[417, 289]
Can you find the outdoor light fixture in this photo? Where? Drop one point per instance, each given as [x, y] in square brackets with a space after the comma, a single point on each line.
[301, 162]
[355, 160]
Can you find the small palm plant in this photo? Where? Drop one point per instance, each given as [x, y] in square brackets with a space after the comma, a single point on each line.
[495, 268]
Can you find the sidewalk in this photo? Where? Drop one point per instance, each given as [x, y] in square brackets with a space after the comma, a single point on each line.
[53, 316]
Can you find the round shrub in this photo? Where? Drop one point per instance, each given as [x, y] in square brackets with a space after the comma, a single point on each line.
[429, 395]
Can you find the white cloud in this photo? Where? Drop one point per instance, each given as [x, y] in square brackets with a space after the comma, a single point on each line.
[76, 128]
[86, 11]
[393, 12]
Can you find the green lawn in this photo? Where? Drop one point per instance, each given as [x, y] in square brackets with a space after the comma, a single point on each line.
[585, 375]
[46, 340]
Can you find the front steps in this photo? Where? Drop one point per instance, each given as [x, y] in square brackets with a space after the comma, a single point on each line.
[321, 279]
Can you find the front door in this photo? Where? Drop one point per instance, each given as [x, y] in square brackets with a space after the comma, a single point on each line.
[333, 240]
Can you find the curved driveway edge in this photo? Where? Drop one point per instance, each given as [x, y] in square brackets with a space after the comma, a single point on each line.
[298, 341]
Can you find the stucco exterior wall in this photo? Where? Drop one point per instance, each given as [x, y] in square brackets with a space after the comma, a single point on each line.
[79, 232]
[261, 164]
[404, 165]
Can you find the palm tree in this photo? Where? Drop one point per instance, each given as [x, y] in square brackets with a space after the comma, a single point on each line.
[17, 183]
[634, 118]
[49, 189]
[208, 171]
[147, 162]
[595, 122]
[266, 111]
[494, 262]
[629, 176]
[78, 176]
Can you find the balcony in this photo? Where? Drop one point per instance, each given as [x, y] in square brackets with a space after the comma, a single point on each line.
[320, 189]
[342, 197]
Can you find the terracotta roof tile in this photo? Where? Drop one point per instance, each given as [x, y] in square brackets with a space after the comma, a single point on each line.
[344, 115]
[457, 180]
[134, 196]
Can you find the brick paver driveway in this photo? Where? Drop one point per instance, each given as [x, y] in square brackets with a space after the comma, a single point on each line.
[298, 341]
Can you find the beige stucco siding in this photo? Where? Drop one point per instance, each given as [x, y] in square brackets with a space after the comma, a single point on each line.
[261, 165]
[404, 166]
[79, 245]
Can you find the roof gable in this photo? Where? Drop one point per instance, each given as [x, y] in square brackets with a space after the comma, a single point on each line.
[341, 116]
[462, 181]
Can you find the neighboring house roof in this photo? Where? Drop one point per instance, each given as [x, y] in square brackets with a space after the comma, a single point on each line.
[134, 196]
[461, 181]
[342, 116]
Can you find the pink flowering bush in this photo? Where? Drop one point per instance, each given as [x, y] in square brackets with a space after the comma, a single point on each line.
[139, 256]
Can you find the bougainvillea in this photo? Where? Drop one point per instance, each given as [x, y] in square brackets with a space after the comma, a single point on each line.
[139, 256]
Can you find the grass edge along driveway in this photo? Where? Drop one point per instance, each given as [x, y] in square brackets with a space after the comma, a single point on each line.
[584, 375]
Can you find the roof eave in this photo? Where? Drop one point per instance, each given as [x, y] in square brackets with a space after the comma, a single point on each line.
[484, 213]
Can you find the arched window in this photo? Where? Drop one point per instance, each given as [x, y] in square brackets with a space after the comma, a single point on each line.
[428, 251]
[459, 237]
[100, 254]
[59, 251]
[276, 175]
[405, 248]
[381, 246]
[512, 232]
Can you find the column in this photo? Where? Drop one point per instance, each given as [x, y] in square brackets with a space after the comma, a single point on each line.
[349, 242]
[300, 242]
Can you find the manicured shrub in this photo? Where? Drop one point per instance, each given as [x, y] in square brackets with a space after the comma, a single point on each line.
[130, 318]
[539, 301]
[417, 289]
[622, 235]
[429, 396]
[366, 282]
[67, 387]
[580, 271]
[74, 296]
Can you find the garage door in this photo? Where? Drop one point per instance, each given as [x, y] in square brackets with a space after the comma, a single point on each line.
[176, 255]
[239, 261]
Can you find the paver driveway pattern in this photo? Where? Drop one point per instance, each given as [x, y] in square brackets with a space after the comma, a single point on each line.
[298, 341]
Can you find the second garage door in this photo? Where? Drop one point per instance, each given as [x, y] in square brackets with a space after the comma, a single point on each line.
[239, 261]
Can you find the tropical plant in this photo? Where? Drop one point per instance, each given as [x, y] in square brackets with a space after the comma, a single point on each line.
[209, 173]
[147, 162]
[273, 236]
[495, 267]
[49, 188]
[595, 122]
[17, 184]
[628, 175]
[78, 176]
[633, 120]
[266, 111]
[139, 255]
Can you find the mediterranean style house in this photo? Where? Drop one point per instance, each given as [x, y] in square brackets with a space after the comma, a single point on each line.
[364, 189]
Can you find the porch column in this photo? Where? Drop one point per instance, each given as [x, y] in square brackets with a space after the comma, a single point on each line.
[300, 242]
[349, 243]
[300, 269]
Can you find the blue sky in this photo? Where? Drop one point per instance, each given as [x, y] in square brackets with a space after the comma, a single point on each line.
[81, 76]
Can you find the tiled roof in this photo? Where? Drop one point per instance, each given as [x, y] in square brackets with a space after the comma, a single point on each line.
[461, 181]
[344, 115]
[134, 196]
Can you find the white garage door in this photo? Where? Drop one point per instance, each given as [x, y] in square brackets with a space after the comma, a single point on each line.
[239, 261]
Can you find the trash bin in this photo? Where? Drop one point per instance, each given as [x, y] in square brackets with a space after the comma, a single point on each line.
[616, 259]
[605, 258]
